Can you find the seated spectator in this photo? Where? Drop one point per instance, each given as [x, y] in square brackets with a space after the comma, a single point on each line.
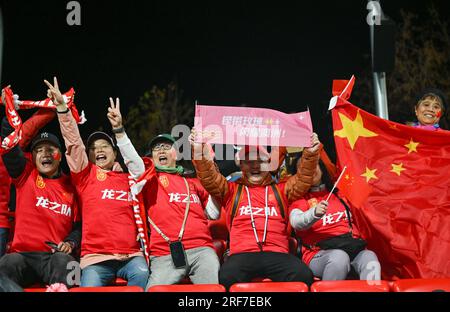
[109, 248]
[317, 220]
[176, 210]
[256, 213]
[46, 211]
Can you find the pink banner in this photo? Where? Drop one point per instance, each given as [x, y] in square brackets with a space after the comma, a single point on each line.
[252, 126]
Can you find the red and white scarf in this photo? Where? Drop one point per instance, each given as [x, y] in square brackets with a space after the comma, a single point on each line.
[140, 214]
[13, 104]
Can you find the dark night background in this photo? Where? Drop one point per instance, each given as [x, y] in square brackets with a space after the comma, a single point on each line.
[283, 56]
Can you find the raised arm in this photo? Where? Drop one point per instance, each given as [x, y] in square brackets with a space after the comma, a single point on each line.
[299, 184]
[210, 177]
[75, 149]
[132, 160]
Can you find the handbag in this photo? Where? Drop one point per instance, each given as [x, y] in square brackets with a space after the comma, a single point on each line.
[346, 242]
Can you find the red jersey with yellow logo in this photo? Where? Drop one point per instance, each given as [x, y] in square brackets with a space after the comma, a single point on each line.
[5, 183]
[333, 223]
[165, 198]
[242, 237]
[108, 220]
[46, 210]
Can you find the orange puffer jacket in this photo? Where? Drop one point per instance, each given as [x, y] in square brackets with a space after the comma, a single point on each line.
[296, 186]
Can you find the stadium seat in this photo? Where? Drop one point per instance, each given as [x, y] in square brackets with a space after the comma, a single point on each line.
[293, 246]
[350, 286]
[270, 287]
[421, 285]
[220, 246]
[188, 288]
[218, 228]
[35, 289]
[108, 289]
[120, 282]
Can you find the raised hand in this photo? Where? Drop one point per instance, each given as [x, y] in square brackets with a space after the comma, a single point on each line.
[321, 209]
[114, 115]
[55, 95]
[315, 143]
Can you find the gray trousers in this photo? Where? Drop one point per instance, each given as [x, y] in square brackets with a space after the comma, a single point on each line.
[202, 268]
[334, 264]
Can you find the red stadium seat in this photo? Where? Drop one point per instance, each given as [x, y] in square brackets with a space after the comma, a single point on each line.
[35, 289]
[421, 285]
[270, 287]
[220, 246]
[108, 289]
[188, 288]
[350, 286]
[293, 245]
[120, 282]
[218, 228]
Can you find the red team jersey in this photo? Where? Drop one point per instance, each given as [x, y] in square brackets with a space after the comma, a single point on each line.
[333, 223]
[242, 237]
[165, 198]
[46, 210]
[108, 220]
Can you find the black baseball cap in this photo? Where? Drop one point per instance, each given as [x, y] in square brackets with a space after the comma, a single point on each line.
[45, 137]
[97, 136]
[159, 138]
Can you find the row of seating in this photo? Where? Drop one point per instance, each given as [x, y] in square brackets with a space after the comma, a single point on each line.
[405, 285]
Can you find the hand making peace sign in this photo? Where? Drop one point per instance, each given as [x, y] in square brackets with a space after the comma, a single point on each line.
[114, 115]
[56, 96]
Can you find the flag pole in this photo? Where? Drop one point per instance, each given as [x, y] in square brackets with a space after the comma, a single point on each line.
[336, 183]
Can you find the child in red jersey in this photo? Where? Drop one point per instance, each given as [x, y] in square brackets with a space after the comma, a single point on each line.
[46, 211]
[316, 220]
[109, 248]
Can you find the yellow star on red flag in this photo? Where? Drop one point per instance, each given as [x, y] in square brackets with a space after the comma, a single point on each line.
[412, 146]
[352, 130]
[369, 174]
[397, 169]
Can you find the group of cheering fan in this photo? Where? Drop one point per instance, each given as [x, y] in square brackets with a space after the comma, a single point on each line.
[88, 216]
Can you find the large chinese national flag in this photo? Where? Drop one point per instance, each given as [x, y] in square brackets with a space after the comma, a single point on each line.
[403, 208]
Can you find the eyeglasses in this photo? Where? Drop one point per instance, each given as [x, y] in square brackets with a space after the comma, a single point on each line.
[162, 146]
[99, 147]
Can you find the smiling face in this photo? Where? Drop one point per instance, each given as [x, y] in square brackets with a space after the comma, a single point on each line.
[102, 154]
[429, 111]
[47, 158]
[164, 154]
[255, 171]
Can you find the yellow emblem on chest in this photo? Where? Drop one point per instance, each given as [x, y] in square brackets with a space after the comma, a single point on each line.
[40, 182]
[164, 181]
[101, 175]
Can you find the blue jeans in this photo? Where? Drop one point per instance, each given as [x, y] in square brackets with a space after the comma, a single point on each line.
[4, 235]
[135, 271]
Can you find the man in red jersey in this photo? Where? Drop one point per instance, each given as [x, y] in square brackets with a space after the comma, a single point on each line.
[109, 248]
[46, 214]
[7, 191]
[180, 241]
[257, 215]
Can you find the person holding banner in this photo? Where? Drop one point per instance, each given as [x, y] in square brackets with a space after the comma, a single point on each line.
[331, 241]
[180, 241]
[257, 215]
[46, 212]
[109, 247]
